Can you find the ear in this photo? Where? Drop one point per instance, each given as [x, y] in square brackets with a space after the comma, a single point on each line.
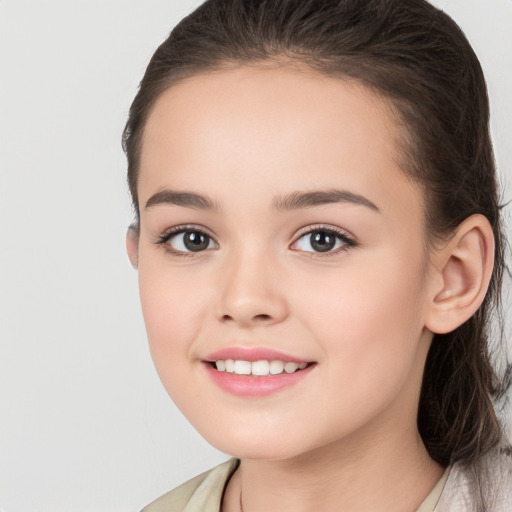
[461, 274]
[132, 245]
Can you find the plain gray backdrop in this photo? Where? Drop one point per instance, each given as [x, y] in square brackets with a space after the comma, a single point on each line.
[84, 423]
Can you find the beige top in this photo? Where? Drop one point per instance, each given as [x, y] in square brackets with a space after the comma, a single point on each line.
[204, 492]
[457, 491]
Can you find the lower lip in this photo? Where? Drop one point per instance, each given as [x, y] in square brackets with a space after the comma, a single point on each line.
[255, 386]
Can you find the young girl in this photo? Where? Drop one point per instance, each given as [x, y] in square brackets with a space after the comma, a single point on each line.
[319, 249]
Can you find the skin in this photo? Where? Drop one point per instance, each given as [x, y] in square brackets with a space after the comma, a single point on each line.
[345, 437]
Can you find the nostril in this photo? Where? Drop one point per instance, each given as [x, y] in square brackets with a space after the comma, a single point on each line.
[262, 317]
[257, 318]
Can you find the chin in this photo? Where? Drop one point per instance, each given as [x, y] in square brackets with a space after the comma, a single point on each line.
[256, 446]
[257, 452]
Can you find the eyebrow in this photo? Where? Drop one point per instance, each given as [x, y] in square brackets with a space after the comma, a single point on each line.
[186, 199]
[297, 200]
[292, 201]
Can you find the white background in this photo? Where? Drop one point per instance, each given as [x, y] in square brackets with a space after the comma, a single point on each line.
[84, 422]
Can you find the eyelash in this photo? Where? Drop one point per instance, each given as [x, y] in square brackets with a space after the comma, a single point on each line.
[347, 240]
[164, 238]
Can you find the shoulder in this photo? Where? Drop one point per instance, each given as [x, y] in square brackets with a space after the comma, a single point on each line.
[202, 493]
[486, 485]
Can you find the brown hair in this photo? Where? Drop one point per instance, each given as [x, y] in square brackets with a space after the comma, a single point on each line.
[417, 58]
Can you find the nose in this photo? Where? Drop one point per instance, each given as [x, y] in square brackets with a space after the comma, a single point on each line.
[251, 293]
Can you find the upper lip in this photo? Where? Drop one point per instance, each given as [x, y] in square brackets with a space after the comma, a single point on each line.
[252, 354]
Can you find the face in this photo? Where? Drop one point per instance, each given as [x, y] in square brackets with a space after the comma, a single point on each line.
[278, 234]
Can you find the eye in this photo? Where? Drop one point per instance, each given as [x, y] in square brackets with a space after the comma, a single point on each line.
[322, 240]
[184, 240]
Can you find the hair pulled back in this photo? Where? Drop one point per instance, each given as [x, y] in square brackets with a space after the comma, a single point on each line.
[417, 58]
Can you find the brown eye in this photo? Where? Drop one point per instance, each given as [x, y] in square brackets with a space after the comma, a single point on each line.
[322, 241]
[191, 241]
[196, 241]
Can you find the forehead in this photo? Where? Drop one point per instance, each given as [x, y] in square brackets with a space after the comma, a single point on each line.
[273, 127]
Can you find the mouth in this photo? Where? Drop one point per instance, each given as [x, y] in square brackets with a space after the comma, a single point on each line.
[255, 372]
[261, 368]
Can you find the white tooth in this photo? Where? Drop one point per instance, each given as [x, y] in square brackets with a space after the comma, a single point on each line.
[221, 366]
[260, 367]
[290, 367]
[276, 367]
[302, 366]
[242, 367]
[230, 365]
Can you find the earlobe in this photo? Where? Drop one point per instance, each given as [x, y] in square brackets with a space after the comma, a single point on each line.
[463, 272]
[132, 245]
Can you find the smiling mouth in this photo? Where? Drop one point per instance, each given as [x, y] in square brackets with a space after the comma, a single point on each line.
[262, 368]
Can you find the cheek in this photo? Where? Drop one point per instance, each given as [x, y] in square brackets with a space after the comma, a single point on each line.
[173, 313]
[368, 322]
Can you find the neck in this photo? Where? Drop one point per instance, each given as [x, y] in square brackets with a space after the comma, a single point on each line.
[394, 475]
